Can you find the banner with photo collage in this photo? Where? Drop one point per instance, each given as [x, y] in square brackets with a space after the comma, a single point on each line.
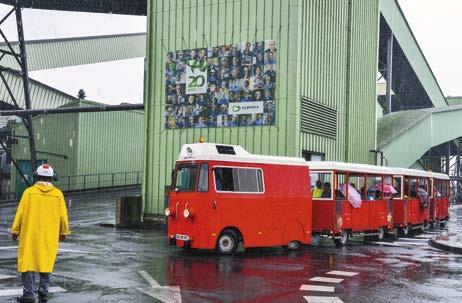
[222, 86]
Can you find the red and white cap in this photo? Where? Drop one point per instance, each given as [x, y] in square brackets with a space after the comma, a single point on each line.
[45, 170]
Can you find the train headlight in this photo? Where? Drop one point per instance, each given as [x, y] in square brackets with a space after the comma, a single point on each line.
[167, 212]
[186, 213]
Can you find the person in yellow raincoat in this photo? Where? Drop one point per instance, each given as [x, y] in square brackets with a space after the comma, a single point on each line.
[41, 221]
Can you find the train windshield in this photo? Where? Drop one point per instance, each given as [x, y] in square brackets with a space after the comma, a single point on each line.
[186, 177]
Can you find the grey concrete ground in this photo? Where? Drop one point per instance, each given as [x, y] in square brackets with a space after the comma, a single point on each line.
[451, 240]
[99, 264]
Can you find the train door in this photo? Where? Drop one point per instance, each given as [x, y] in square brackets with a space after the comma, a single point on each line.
[357, 187]
[240, 201]
[342, 210]
[377, 208]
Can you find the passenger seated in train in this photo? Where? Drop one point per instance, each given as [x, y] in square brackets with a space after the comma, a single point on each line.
[317, 191]
[326, 191]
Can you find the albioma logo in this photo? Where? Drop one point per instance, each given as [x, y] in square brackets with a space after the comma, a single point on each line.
[237, 108]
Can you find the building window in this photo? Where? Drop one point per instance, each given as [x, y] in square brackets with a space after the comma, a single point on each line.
[313, 156]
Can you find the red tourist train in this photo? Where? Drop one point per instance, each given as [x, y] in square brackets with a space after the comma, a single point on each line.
[221, 196]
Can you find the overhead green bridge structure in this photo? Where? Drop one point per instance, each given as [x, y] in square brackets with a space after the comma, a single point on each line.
[327, 104]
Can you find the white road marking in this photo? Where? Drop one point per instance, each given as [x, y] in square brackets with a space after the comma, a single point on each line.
[166, 294]
[8, 247]
[4, 277]
[74, 251]
[314, 299]
[423, 237]
[414, 239]
[18, 291]
[60, 250]
[317, 288]
[327, 280]
[412, 243]
[384, 243]
[342, 273]
[149, 279]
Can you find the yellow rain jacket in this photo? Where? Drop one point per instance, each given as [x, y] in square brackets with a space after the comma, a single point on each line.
[40, 219]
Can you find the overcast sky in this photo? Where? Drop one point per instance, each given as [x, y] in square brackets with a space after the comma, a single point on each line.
[436, 25]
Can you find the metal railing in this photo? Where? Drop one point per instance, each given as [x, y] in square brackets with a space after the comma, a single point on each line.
[95, 181]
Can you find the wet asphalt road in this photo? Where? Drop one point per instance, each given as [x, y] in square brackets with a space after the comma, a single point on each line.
[100, 264]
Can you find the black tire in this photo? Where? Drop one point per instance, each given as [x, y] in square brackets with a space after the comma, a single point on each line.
[294, 245]
[408, 231]
[343, 240]
[227, 242]
[381, 235]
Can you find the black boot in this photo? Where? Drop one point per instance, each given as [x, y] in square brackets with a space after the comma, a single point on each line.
[23, 299]
[43, 298]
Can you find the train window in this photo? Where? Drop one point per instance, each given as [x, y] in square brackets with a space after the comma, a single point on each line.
[203, 185]
[374, 187]
[413, 188]
[321, 185]
[242, 180]
[340, 191]
[444, 188]
[430, 188]
[358, 182]
[397, 181]
[186, 177]
[387, 186]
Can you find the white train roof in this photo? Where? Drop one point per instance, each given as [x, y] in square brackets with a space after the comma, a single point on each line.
[350, 167]
[372, 169]
[231, 153]
[236, 153]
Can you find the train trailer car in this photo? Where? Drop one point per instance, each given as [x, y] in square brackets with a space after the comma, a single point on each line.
[411, 205]
[351, 200]
[439, 205]
[222, 195]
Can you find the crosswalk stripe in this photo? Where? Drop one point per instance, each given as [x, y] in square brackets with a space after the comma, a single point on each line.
[315, 299]
[411, 243]
[342, 273]
[4, 277]
[327, 280]
[18, 291]
[317, 288]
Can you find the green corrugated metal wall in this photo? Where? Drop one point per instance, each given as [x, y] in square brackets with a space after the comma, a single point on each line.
[110, 142]
[330, 49]
[54, 134]
[95, 143]
[314, 55]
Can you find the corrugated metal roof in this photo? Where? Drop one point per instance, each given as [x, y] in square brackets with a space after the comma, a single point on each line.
[124, 7]
[55, 53]
[42, 95]
[454, 100]
[405, 136]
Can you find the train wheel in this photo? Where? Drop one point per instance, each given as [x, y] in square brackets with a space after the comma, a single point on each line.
[381, 234]
[294, 245]
[432, 224]
[227, 242]
[407, 231]
[342, 241]
[443, 224]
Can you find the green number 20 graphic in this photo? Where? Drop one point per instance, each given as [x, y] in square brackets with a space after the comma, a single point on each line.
[196, 81]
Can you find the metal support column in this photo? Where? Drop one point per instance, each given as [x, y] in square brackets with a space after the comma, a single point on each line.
[389, 70]
[25, 78]
[448, 159]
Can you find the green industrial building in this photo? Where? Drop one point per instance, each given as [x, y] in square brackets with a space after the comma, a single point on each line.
[88, 150]
[325, 103]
